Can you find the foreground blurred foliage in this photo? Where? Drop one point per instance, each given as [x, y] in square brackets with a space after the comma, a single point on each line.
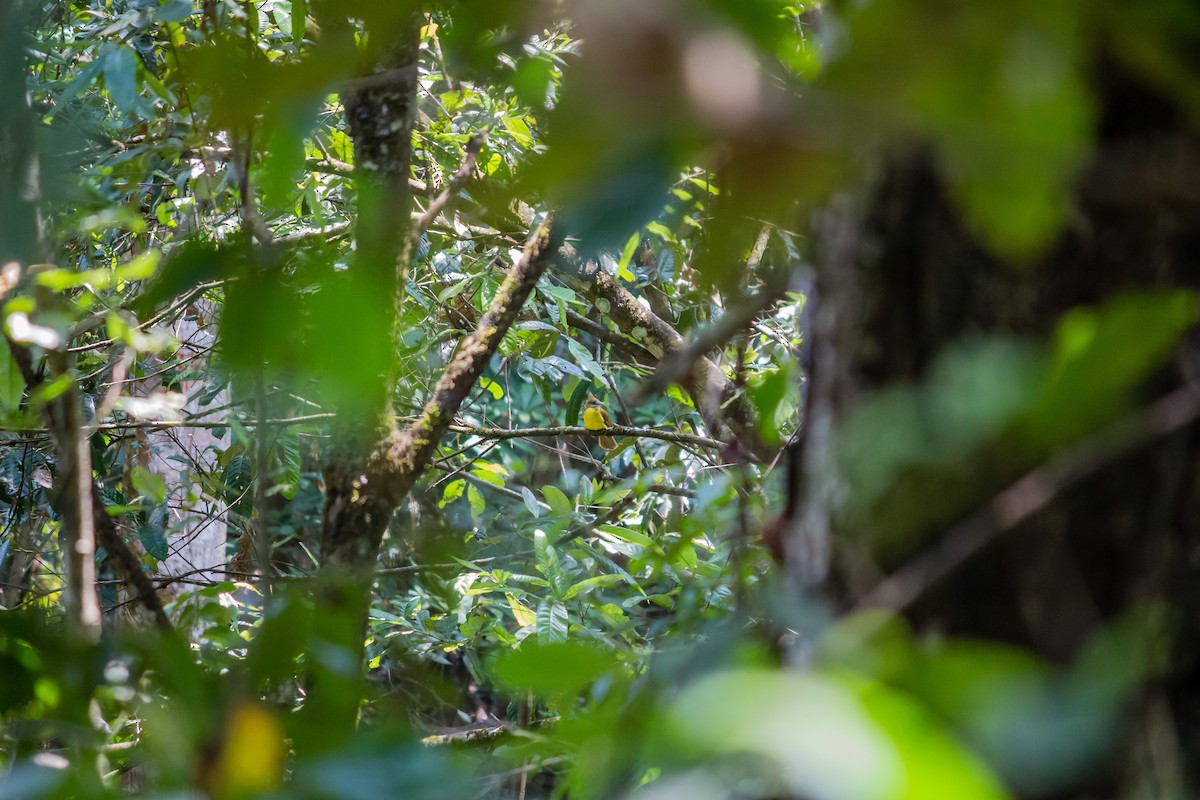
[878, 715]
[547, 620]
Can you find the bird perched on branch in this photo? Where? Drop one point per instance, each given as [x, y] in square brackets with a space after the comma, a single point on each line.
[596, 418]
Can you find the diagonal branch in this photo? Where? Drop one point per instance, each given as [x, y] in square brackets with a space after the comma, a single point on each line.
[459, 179]
[1032, 493]
[735, 320]
[676, 437]
[725, 411]
[417, 444]
[355, 518]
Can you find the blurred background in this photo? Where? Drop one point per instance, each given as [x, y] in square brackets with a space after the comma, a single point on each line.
[599, 399]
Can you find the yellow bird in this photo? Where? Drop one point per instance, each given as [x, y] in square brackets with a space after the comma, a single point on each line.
[596, 418]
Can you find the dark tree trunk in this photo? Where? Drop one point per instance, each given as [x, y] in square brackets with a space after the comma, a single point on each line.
[900, 278]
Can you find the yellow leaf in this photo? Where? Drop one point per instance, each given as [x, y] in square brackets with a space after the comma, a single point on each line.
[524, 616]
[252, 754]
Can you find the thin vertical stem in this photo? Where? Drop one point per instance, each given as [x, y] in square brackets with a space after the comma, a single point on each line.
[262, 528]
[78, 532]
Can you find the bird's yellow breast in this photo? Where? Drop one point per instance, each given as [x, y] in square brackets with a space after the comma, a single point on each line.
[595, 419]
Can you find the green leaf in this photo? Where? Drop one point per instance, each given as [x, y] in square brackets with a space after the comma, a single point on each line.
[563, 293]
[149, 485]
[83, 79]
[121, 77]
[551, 621]
[153, 535]
[238, 474]
[1099, 355]
[287, 452]
[766, 395]
[549, 563]
[552, 669]
[281, 638]
[974, 390]
[531, 502]
[596, 582]
[492, 473]
[12, 385]
[575, 402]
[178, 10]
[454, 289]
[299, 14]
[493, 388]
[476, 500]
[627, 535]
[886, 744]
[519, 130]
[521, 612]
[453, 491]
[584, 358]
[685, 558]
[627, 254]
[1005, 98]
[186, 268]
[533, 81]
[558, 501]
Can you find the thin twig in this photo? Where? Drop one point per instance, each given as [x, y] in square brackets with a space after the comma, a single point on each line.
[576, 430]
[675, 437]
[327, 232]
[1032, 493]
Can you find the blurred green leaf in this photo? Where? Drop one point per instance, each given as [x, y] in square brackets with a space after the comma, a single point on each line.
[281, 639]
[1004, 95]
[149, 485]
[175, 11]
[1099, 355]
[827, 736]
[188, 267]
[121, 76]
[552, 668]
[12, 384]
[973, 392]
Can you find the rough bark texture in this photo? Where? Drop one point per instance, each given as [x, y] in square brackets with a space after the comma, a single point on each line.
[357, 511]
[374, 465]
[355, 519]
[380, 113]
[900, 278]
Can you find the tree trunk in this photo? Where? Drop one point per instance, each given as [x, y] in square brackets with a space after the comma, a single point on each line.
[198, 528]
[899, 279]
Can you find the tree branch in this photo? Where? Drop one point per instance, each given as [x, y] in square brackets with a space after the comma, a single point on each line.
[1032, 493]
[575, 430]
[679, 364]
[725, 411]
[456, 182]
[365, 504]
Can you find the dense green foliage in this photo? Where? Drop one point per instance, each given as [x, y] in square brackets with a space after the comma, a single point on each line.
[546, 617]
